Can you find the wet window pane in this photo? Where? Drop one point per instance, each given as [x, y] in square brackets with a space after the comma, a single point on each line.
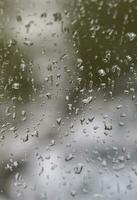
[68, 108]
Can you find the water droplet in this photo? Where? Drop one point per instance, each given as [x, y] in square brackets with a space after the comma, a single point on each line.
[78, 168]
[58, 120]
[101, 72]
[16, 86]
[87, 100]
[69, 157]
[131, 36]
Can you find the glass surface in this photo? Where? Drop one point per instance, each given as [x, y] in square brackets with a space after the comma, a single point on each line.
[68, 108]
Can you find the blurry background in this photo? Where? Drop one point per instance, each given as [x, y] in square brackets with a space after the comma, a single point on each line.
[68, 99]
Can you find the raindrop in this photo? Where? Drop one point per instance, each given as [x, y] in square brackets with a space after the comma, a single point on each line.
[87, 100]
[43, 15]
[108, 126]
[58, 120]
[73, 193]
[16, 86]
[78, 168]
[69, 157]
[131, 36]
[101, 72]
[26, 138]
[57, 17]
[19, 18]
